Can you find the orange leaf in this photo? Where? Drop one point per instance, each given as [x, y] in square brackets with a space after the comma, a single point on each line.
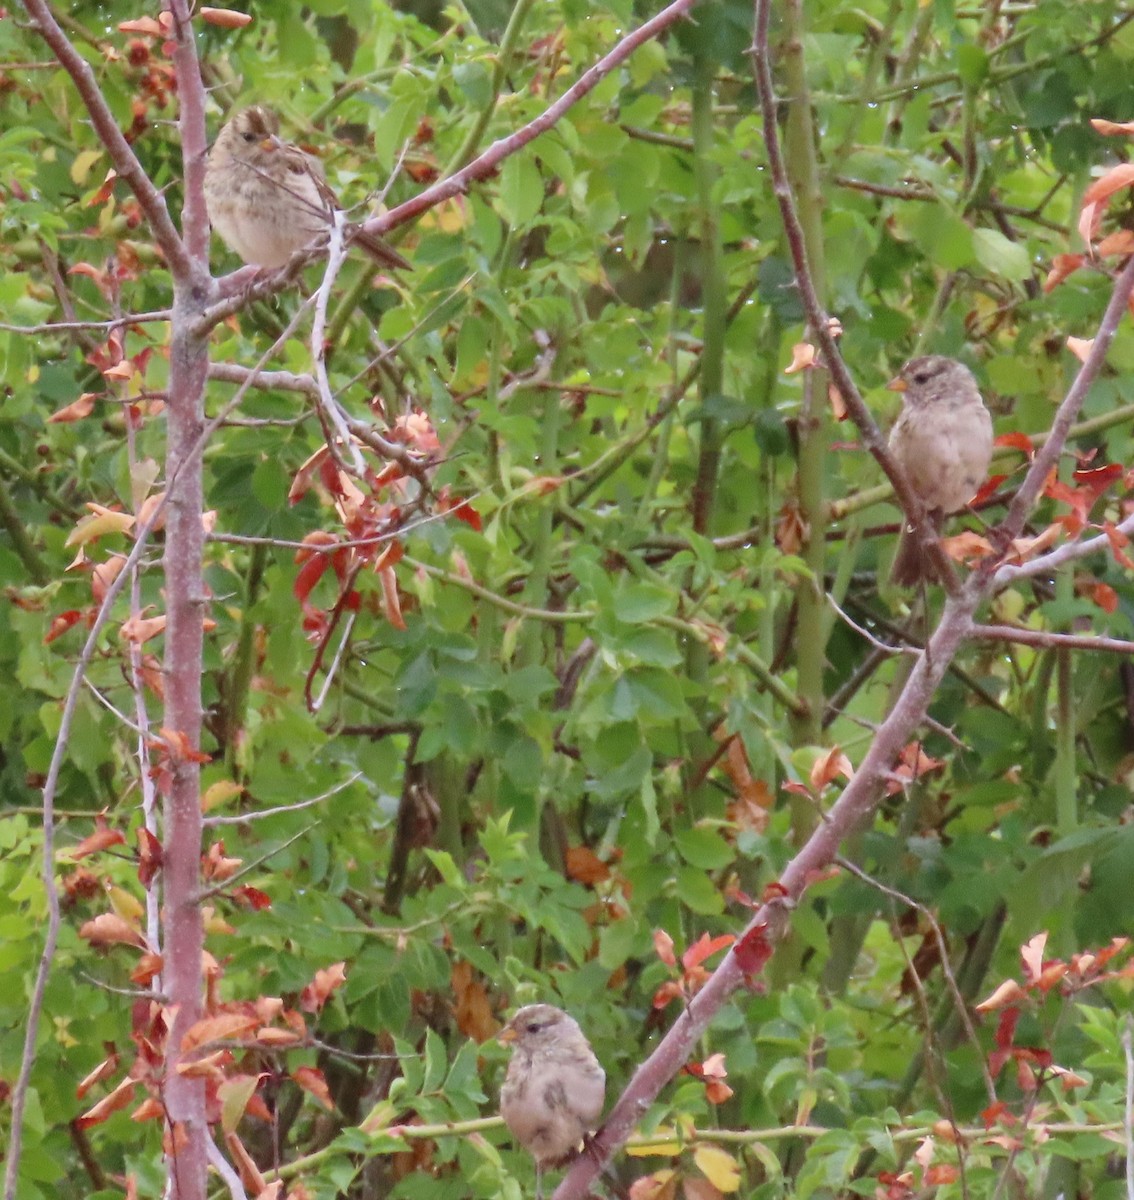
[144, 25]
[391, 604]
[472, 1009]
[103, 575]
[76, 410]
[965, 546]
[802, 356]
[104, 1070]
[223, 1027]
[1111, 128]
[119, 1098]
[1009, 992]
[109, 929]
[249, 1172]
[1101, 190]
[1062, 265]
[663, 947]
[705, 947]
[828, 768]
[311, 1080]
[584, 866]
[661, 1185]
[321, 988]
[226, 18]
[139, 629]
[102, 837]
[1104, 596]
[146, 968]
[1121, 241]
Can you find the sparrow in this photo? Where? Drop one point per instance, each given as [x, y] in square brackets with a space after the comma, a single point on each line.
[554, 1089]
[267, 198]
[942, 440]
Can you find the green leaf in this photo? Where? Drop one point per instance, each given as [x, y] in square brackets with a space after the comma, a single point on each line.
[521, 190]
[994, 252]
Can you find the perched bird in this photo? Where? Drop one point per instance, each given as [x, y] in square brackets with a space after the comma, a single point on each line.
[554, 1089]
[267, 198]
[942, 440]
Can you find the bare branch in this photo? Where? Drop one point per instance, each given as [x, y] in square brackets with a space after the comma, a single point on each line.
[1048, 638]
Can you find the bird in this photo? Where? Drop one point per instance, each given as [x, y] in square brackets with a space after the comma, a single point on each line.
[268, 198]
[942, 440]
[554, 1088]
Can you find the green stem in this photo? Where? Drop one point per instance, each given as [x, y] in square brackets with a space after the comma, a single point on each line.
[21, 543]
[811, 633]
[469, 147]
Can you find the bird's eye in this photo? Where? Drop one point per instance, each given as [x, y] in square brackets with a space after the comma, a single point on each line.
[921, 377]
[248, 135]
[533, 1027]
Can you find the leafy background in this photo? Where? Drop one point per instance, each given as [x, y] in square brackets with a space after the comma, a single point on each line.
[537, 763]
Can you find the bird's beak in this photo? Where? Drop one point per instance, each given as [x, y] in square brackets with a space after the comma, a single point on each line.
[271, 142]
[897, 384]
[506, 1035]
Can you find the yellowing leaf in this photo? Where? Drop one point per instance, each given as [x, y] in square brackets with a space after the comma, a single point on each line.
[100, 523]
[718, 1166]
[234, 1095]
[662, 1141]
[219, 793]
[81, 165]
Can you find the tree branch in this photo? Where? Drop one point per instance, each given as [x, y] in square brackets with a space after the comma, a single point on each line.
[121, 153]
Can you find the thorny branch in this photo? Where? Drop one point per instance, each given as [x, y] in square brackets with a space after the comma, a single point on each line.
[862, 794]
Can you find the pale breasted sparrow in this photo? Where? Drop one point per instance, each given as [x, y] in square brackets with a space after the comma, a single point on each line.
[942, 440]
[554, 1089]
[267, 198]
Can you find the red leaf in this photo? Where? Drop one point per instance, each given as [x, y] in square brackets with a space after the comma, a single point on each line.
[1104, 596]
[61, 623]
[149, 857]
[1017, 441]
[251, 897]
[988, 488]
[309, 575]
[753, 950]
[1118, 542]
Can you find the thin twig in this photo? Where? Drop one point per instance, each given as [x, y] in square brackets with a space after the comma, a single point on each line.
[260, 814]
[1047, 638]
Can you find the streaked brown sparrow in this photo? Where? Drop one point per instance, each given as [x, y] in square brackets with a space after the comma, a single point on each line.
[554, 1089]
[942, 440]
[267, 198]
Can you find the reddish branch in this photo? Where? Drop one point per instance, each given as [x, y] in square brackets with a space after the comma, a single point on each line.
[238, 290]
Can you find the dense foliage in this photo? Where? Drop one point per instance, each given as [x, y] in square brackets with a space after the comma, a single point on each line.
[582, 683]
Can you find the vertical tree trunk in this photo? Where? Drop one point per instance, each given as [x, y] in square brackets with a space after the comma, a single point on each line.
[187, 1133]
